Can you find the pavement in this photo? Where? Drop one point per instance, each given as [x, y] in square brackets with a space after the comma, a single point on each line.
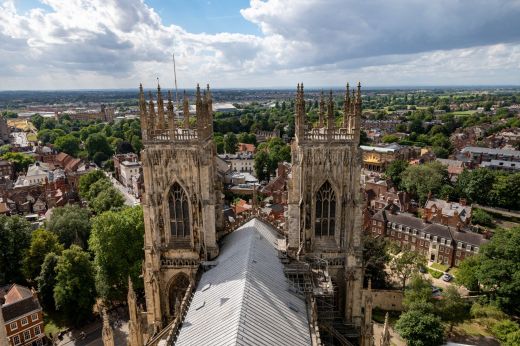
[92, 336]
[125, 191]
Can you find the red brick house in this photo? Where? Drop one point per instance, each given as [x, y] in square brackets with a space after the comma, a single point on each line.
[23, 316]
[438, 243]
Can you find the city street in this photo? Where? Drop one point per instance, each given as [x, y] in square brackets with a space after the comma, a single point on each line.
[129, 198]
[92, 335]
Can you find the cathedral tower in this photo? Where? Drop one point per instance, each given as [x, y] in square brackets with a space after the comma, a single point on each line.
[180, 200]
[325, 199]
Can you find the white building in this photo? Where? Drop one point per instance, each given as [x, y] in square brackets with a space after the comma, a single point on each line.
[128, 171]
[239, 162]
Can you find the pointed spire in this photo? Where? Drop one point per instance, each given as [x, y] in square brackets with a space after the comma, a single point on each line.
[143, 113]
[358, 96]
[134, 325]
[346, 108]
[385, 335]
[151, 112]
[210, 109]
[322, 110]
[171, 113]
[330, 112]
[186, 110]
[160, 108]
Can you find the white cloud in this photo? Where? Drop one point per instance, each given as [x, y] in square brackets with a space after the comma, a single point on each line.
[110, 43]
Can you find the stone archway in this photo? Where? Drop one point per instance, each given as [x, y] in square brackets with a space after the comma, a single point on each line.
[178, 287]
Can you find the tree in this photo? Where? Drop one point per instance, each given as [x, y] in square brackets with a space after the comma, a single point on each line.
[20, 161]
[452, 308]
[390, 139]
[503, 329]
[42, 242]
[477, 184]
[375, 258]
[68, 144]
[394, 171]
[124, 147]
[117, 244]
[481, 217]
[405, 264]
[37, 121]
[418, 295]
[47, 280]
[96, 188]
[71, 224]
[98, 143]
[420, 180]
[219, 143]
[15, 238]
[230, 143]
[420, 329]
[261, 165]
[86, 180]
[75, 291]
[109, 199]
[467, 274]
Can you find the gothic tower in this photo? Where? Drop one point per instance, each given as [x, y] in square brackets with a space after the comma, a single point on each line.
[180, 200]
[325, 199]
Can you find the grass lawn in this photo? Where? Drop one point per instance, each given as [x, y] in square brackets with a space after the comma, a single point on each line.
[439, 266]
[435, 273]
[472, 328]
[31, 137]
[454, 271]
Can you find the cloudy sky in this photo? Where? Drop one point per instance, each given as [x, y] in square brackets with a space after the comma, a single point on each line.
[74, 44]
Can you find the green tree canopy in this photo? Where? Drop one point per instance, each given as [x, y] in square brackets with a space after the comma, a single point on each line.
[47, 280]
[98, 143]
[20, 161]
[42, 242]
[230, 143]
[405, 264]
[109, 199]
[86, 180]
[394, 171]
[420, 180]
[117, 244]
[71, 224]
[375, 258]
[75, 291]
[420, 328]
[68, 144]
[15, 238]
[452, 308]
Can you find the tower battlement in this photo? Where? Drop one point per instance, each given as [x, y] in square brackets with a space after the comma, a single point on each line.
[161, 124]
[326, 130]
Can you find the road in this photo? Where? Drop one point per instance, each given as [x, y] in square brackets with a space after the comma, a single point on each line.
[509, 213]
[92, 336]
[129, 198]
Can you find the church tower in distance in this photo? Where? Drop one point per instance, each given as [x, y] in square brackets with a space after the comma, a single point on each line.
[180, 201]
[325, 199]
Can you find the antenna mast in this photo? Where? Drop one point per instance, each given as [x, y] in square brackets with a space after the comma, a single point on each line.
[175, 78]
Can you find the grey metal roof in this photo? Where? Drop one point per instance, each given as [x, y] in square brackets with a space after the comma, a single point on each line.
[244, 299]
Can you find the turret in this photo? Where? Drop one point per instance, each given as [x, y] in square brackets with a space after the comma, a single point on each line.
[152, 117]
[186, 110]
[346, 108]
[160, 109]
[357, 115]
[330, 112]
[143, 113]
[321, 111]
[171, 113]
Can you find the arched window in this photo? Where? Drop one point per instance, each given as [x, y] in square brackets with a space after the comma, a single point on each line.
[177, 290]
[179, 212]
[325, 211]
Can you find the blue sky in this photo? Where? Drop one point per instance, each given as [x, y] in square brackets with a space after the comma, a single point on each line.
[57, 44]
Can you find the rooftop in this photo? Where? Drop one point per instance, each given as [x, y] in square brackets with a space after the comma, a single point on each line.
[245, 300]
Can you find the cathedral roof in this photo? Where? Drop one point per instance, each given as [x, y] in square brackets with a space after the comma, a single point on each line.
[244, 299]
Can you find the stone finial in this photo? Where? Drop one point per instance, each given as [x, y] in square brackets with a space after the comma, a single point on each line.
[321, 110]
[107, 333]
[385, 335]
[186, 110]
[330, 111]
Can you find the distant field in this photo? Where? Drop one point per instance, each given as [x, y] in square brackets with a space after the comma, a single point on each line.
[22, 124]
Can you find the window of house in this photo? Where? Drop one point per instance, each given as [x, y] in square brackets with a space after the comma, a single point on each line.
[398, 235]
[25, 321]
[468, 248]
[441, 248]
[422, 242]
[37, 330]
[459, 245]
[393, 233]
[435, 238]
[34, 317]
[374, 222]
[380, 223]
[457, 262]
[16, 339]
[14, 326]
[458, 253]
[325, 211]
[27, 335]
[406, 236]
[434, 246]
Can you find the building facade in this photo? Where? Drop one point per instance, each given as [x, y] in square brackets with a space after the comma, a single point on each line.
[181, 202]
[325, 199]
[23, 317]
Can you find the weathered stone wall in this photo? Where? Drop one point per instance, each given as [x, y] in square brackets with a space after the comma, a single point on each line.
[388, 300]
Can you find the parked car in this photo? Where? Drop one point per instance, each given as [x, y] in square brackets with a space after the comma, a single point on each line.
[446, 277]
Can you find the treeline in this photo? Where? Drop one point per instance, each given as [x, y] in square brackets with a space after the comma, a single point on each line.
[484, 186]
[88, 139]
[80, 255]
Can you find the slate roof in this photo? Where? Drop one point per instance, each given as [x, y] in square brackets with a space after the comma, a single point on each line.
[19, 301]
[244, 299]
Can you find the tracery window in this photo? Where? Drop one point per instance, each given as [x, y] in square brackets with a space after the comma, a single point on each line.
[325, 211]
[179, 212]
